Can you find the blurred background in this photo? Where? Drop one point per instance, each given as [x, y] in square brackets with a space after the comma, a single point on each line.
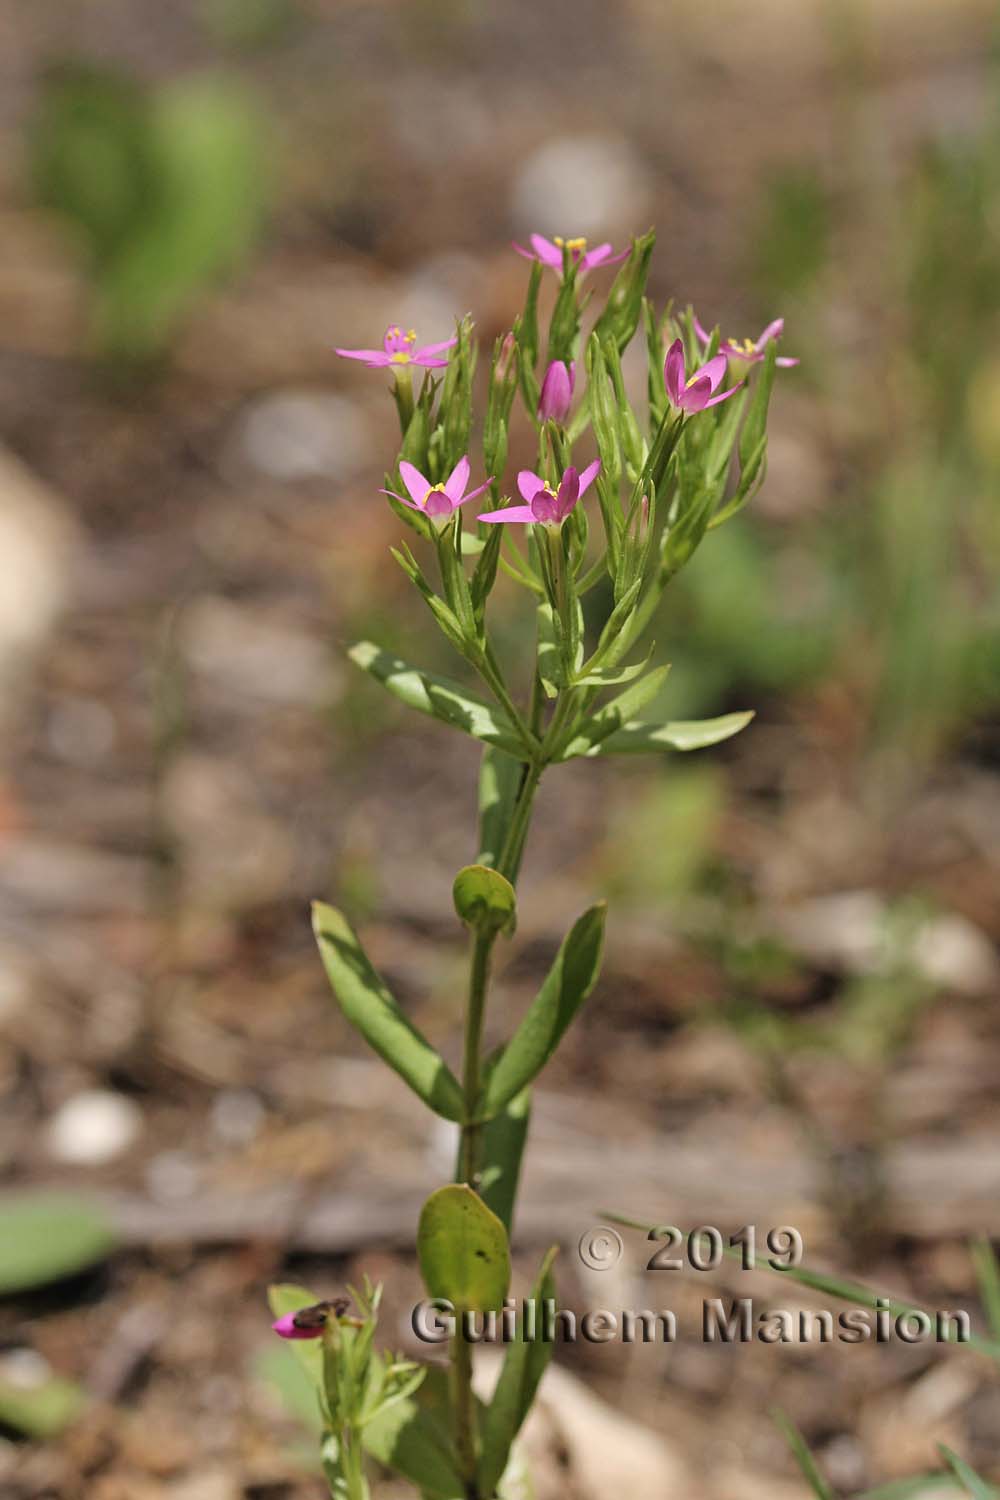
[797, 1022]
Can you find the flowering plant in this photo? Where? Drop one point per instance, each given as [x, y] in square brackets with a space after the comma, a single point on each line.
[667, 470]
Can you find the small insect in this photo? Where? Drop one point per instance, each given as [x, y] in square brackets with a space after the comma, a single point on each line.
[313, 1318]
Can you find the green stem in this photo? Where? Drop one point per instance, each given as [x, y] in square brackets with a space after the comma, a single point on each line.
[403, 393]
[463, 1406]
[479, 975]
[352, 1464]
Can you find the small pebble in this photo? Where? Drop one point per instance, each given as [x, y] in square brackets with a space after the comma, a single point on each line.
[93, 1128]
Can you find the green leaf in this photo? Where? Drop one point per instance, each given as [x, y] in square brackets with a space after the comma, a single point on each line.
[463, 1252]
[439, 697]
[987, 1269]
[485, 900]
[413, 1437]
[973, 1484]
[610, 676]
[568, 983]
[278, 1365]
[500, 777]
[614, 715]
[40, 1411]
[803, 1457]
[287, 1297]
[47, 1236]
[368, 1005]
[639, 737]
[503, 1139]
[523, 1368]
[911, 1486]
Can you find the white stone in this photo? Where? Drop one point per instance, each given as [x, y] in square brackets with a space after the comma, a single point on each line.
[591, 185]
[93, 1127]
[301, 434]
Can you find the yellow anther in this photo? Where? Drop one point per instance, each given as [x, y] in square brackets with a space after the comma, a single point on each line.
[435, 489]
[578, 244]
[411, 337]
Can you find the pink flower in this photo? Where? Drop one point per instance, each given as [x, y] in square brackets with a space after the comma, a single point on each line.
[749, 352]
[309, 1322]
[556, 395]
[546, 507]
[438, 501]
[550, 253]
[399, 348]
[694, 394]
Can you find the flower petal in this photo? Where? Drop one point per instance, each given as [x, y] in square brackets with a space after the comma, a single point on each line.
[373, 357]
[403, 499]
[725, 395]
[786, 361]
[772, 331]
[588, 476]
[435, 348]
[415, 482]
[454, 485]
[519, 514]
[529, 484]
[695, 396]
[473, 493]
[602, 255]
[545, 251]
[703, 337]
[427, 362]
[713, 370]
[674, 373]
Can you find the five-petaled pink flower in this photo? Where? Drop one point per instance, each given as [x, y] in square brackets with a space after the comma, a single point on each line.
[550, 253]
[749, 351]
[700, 390]
[399, 348]
[438, 501]
[556, 396]
[545, 506]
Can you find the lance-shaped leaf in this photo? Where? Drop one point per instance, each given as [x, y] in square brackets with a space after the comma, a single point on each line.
[568, 983]
[523, 1368]
[485, 900]
[462, 1249]
[640, 738]
[439, 697]
[368, 1005]
[45, 1236]
[974, 1484]
[503, 1139]
[500, 778]
[413, 1437]
[614, 715]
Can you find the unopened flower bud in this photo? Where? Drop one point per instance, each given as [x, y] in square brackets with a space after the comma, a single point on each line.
[557, 391]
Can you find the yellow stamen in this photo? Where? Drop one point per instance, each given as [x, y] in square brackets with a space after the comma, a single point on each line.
[573, 246]
[435, 489]
[411, 337]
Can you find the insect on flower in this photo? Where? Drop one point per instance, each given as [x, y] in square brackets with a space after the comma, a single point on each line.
[399, 348]
[545, 506]
[309, 1322]
[438, 501]
[694, 393]
[550, 253]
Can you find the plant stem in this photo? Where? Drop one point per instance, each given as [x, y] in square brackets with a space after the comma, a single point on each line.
[479, 974]
[462, 1400]
[463, 1405]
